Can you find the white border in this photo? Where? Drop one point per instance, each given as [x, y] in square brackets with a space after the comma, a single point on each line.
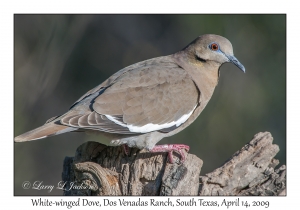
[8, 8]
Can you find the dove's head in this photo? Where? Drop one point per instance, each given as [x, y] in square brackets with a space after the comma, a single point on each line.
[215, 48]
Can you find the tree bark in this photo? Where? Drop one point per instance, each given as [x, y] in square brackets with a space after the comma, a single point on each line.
[97, 169]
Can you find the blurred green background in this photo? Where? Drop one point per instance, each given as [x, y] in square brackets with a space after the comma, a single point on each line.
[57, 58]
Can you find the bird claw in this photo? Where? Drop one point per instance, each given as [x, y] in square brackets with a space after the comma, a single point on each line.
[125, 149]
[178, 148]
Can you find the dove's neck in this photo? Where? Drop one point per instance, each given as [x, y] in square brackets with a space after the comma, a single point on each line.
[205, 74]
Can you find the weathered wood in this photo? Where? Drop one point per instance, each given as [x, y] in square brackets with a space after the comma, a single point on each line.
[250, 171]
[101, 170]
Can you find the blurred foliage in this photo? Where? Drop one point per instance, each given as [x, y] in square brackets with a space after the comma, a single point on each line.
[60, 57]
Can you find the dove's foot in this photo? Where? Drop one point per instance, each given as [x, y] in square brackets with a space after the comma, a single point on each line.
[178, 148]
[126, 149]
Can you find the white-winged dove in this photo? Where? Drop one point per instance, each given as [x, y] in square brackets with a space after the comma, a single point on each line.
[147, 101]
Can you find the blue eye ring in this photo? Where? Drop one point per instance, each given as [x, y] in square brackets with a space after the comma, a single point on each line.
[214, 47]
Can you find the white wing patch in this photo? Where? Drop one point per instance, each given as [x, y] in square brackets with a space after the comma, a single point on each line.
[151, 127]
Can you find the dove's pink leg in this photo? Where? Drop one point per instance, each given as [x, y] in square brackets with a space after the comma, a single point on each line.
[126, 149]
[170, 148]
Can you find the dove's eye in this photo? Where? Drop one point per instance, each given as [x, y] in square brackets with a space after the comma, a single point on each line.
[214, 46]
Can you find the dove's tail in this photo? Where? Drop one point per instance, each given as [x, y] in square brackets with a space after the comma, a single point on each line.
[49, 129]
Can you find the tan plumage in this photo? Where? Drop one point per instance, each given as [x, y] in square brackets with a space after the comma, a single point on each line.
[147, 101]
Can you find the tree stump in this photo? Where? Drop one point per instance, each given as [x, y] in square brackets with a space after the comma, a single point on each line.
[97, 169]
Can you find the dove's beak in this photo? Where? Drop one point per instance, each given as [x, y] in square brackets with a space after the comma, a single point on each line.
[236, 62]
